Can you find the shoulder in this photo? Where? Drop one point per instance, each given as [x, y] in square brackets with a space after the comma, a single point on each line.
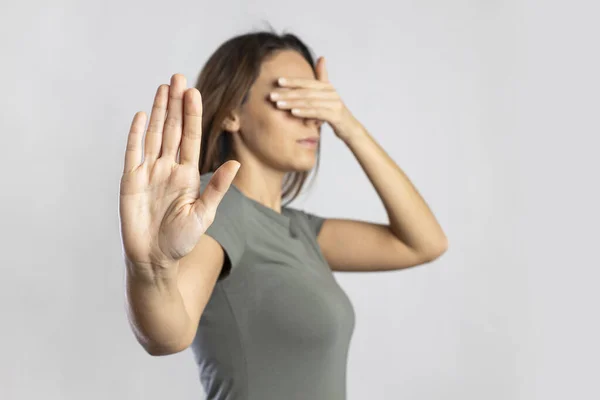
[309, 220]
[303, 214]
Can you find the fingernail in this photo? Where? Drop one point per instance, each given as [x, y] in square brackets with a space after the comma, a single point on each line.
[274, 96]
[281, 81]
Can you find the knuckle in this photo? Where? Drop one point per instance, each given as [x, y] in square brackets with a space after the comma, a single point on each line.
[192, 133]
[172, 122]
[153, 126]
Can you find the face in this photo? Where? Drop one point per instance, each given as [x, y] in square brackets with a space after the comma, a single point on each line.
[270, 135]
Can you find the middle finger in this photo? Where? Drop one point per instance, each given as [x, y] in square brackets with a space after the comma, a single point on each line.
[174, 121]
[302, 94]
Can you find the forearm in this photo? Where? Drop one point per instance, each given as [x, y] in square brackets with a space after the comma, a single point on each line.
[156, 311]
[410, 218]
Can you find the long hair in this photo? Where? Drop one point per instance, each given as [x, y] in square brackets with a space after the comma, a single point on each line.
[225, 81]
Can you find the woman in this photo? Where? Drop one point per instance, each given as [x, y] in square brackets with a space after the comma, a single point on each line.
[275, 324]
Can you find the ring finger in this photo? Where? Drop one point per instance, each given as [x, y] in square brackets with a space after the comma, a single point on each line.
[155, 126]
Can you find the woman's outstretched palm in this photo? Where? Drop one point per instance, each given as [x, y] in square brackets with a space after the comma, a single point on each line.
[162, 212]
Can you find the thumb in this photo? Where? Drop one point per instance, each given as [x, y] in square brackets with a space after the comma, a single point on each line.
[220, 181]
[321, 70]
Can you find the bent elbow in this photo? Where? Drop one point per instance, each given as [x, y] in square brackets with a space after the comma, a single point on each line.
[157, 350]
[441, 249]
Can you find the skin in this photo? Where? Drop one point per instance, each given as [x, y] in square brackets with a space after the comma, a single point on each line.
[265, 139]
[172, 266]
[266, 132]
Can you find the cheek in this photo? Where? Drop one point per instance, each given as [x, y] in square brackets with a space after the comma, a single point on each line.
[265, 131]
[279, 126]
[272, 133]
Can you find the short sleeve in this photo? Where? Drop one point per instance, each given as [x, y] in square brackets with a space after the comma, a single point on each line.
[228, 227]
[314, 221]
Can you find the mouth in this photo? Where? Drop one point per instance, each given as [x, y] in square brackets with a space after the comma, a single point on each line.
[309, 140]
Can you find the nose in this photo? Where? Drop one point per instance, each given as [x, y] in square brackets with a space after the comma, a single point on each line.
[316, 122]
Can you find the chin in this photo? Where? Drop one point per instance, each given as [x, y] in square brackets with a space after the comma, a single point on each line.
[300, 167]
[304, 165]
[305, 169]
[302, 162]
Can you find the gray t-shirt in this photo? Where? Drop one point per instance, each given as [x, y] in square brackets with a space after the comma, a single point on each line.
[277, 326]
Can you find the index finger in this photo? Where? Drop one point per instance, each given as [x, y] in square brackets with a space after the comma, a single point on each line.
[192, 128]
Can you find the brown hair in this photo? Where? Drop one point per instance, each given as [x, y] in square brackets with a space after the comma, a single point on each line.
[225, 81]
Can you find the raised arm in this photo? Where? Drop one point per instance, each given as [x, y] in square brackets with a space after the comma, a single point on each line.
[171, 265]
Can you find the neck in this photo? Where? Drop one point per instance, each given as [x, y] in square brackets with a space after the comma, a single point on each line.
[260, 183]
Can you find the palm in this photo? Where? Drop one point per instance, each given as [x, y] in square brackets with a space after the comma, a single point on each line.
[157, 205]
[162, 212]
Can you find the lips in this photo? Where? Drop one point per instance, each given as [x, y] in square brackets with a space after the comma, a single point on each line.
[309, 140]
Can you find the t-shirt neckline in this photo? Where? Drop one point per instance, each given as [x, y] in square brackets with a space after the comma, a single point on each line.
[282, 218]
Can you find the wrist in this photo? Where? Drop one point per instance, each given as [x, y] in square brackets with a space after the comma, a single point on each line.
[355, 135]
[154, 274]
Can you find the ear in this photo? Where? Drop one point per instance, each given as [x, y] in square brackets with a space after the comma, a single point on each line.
[232, 122]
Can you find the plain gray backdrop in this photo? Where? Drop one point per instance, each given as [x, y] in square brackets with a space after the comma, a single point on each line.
[490, 107]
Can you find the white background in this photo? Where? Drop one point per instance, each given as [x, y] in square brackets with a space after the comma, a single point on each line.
[490, 107]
